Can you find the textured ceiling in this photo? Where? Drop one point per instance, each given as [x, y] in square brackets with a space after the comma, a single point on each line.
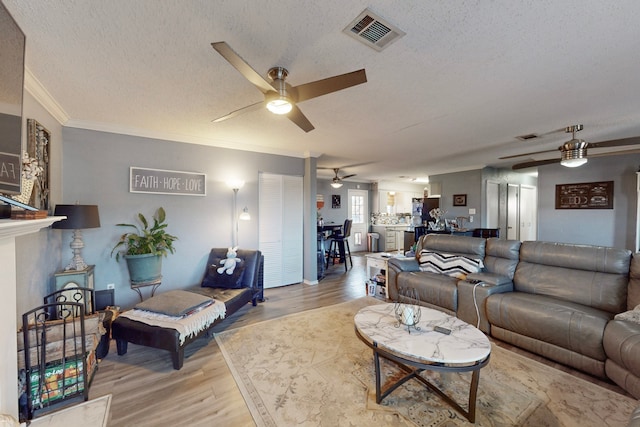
[450, 95]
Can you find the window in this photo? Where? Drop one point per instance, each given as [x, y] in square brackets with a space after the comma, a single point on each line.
[357, 209]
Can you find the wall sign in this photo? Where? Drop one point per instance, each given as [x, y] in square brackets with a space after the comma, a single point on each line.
[160, 181]
[587, 195]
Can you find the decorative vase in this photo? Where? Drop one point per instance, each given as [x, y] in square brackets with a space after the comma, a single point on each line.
[441, 224]
[25, 191]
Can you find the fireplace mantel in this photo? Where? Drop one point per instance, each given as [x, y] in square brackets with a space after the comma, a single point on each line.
[9, 230]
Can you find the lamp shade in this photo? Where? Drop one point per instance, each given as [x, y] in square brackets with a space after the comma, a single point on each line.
[78, 217]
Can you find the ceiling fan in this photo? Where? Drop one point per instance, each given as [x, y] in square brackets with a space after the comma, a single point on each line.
[573, 153]
[279, 96]
[337, 181]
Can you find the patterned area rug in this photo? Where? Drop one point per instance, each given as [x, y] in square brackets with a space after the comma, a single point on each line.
[311, 369]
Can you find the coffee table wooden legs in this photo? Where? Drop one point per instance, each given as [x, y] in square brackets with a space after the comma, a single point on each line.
[413, 370]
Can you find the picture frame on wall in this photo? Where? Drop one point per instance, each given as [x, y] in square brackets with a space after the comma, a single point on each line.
[459, 200]
[335, 201]
[38, 141]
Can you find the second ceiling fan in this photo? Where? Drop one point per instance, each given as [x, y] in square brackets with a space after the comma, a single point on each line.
[336, 182]
[279, 96]
[573, 153]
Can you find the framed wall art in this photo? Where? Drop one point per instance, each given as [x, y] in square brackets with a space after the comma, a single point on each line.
[38, 139]
[335, 201]
[585, 195]
[459, 200]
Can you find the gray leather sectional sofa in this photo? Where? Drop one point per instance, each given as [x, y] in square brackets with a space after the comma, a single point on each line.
[553, 299]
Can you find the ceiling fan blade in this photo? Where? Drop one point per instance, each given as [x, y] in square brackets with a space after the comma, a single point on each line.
[242, 110]
[245, 69]
[348, 176]
[328, 85]
[615, 153]
[296, 116]
[535, 163]
[527, 154]
[616, 142]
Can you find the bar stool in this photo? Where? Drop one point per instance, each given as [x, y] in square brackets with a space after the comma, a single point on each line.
[339, 246]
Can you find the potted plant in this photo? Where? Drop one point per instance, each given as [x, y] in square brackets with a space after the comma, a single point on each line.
[144, 248]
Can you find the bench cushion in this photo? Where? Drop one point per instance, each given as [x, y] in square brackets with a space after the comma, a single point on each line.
[175, 303]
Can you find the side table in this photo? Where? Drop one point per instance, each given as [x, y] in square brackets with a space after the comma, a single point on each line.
[379, 261]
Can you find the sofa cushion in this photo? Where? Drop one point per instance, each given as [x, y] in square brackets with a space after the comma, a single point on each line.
[622, 344]
[213, 279]
[502, 257]
[568, 325]
[434, 289]
[473, 247]
[453, 265]
[594, 276]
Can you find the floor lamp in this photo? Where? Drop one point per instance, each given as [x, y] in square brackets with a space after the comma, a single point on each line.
[235, 185]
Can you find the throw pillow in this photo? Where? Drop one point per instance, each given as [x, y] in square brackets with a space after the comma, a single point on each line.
[453, 265]
[175, 303]
[213, 279]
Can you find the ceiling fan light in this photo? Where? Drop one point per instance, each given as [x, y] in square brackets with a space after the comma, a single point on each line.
[336, 184]
[574, 153]
[280, 105]
[573, 163]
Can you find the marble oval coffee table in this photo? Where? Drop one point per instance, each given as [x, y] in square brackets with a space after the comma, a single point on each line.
[465, 349]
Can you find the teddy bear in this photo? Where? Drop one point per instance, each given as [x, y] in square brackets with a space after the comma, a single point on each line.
[229, 264]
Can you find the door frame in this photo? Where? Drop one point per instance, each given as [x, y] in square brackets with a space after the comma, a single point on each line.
[365, 223]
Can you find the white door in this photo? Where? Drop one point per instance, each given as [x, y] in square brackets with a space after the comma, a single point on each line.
[493, 204]
[358, 211]
[528, 212]
[280, 228]
[513, 226]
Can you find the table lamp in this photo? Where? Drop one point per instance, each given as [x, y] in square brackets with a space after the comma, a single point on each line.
[78, 218]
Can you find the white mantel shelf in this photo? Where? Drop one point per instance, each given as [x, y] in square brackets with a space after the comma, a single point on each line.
[9, 230]
[19, 227]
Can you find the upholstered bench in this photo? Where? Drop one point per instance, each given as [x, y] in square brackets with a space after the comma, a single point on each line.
[155, 330]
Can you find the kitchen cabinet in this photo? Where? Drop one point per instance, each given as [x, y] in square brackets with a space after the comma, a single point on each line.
[401, 201]
[391, 237]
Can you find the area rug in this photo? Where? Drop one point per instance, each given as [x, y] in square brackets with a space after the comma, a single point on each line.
[310, 369]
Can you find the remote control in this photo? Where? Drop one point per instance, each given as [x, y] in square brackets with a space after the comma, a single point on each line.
[442, 330]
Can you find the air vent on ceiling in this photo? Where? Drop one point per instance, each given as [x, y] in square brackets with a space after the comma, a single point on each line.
[373, 31]
[527, 137]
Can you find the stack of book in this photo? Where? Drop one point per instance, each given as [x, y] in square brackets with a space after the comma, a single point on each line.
[22, 214]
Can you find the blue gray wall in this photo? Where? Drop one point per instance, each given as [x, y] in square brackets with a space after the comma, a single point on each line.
[96, 171]
[608, 227]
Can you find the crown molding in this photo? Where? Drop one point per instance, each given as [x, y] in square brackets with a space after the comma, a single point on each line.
[42, 95]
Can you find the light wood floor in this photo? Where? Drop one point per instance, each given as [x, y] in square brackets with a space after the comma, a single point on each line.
[147, 391]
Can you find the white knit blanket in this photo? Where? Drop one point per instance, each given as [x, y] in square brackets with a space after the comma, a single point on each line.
[186, 326]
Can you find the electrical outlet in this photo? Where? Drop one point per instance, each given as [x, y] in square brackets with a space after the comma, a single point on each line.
[111, 286]
[471, 218]
[472, 211]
